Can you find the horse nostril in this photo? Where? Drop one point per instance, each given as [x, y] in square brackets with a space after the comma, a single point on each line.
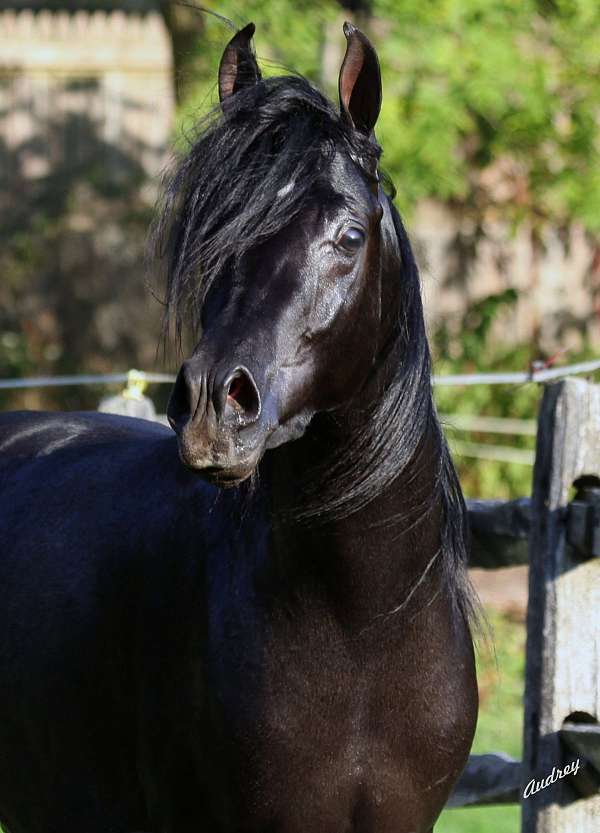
[184, 398]
[242, 399]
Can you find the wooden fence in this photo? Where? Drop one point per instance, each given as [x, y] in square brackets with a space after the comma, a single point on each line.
[557, 532]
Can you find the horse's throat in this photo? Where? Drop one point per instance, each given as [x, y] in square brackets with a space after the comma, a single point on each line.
[384, 557]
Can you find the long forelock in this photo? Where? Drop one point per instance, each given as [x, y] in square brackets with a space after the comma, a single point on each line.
[250, 171]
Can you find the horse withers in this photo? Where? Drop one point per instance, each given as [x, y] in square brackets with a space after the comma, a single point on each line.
[260, 621]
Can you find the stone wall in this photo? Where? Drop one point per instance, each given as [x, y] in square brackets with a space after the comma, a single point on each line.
[107, 72]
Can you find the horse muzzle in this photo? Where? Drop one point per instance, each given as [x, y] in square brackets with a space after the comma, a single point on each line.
[217, 418]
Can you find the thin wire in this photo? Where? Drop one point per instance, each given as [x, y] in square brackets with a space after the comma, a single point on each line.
[104, 379]
[545, 375]
[489, 424]
[498, 453]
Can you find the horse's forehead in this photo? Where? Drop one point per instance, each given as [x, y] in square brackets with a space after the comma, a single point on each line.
[343, 178]
[349, 181]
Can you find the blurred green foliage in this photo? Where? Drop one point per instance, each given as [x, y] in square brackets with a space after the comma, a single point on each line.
[475, 351]
[467, 83]
[472, 81]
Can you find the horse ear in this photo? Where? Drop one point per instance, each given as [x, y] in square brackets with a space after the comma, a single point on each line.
[360, 81]
[238, 67]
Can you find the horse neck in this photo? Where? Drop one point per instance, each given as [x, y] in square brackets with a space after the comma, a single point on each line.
[385, 556]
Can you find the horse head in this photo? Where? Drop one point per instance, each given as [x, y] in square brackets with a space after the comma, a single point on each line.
[277, 239]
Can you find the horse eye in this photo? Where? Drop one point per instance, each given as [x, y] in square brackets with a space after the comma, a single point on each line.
[352, 239]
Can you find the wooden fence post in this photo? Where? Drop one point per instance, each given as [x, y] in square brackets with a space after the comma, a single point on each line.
[563, 619]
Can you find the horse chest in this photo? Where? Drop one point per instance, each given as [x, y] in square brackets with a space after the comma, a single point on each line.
[329, 735]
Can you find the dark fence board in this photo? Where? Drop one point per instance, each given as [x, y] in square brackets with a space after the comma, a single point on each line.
[499, 532]
[487, 779]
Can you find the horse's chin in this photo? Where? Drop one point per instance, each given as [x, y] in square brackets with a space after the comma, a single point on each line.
[231, 464]
[223, 472]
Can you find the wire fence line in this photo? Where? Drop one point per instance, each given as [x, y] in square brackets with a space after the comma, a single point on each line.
[545, 374]
[87, 379]
[489, 425]
[470, 423]
[497, 453]
[474, 424]
[541, 375]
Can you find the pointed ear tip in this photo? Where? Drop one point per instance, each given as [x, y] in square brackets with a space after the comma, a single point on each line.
[243, 36]
[349, 28]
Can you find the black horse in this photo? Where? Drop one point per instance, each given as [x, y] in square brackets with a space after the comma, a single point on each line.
[292, 654]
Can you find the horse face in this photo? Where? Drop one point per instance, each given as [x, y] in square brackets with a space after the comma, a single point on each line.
[293, 331]
[292, 328]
